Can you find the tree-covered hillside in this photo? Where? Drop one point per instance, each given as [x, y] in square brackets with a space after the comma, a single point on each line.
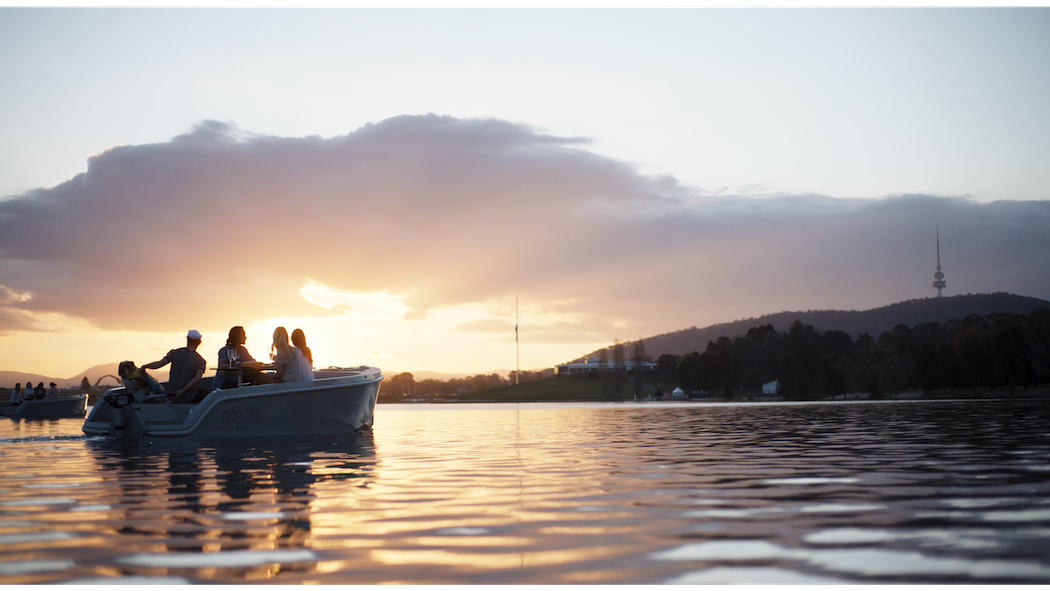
[873, 322]
[992, 351]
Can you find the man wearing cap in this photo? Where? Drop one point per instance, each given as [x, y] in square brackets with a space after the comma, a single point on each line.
[187, 369]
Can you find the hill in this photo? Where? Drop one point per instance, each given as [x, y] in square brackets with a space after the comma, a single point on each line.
[873, 322]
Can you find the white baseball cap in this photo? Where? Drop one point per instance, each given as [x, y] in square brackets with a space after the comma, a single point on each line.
[193, 335]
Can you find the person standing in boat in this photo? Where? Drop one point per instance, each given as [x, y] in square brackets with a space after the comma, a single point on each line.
[306, 357]
[285, 360]
[233, 354]
[187, 369]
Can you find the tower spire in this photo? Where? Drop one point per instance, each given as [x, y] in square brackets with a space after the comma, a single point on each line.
[938, 277]
[517, 347]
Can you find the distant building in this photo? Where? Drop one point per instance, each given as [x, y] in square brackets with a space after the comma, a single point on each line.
[770, 387]
[591, 367]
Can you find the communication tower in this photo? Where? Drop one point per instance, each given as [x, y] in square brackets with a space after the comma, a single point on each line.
[938, 277]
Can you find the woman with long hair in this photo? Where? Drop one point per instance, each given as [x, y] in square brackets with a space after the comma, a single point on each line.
[233, 354]
[306, 356]
[285, 360]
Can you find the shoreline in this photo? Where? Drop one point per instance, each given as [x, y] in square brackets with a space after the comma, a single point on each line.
[1028, 393]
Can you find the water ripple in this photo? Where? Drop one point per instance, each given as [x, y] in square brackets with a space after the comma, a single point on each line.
[916, 492]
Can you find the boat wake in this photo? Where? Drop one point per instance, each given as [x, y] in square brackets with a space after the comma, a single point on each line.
[42, 439]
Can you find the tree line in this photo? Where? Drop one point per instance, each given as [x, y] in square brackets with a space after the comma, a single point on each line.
[991, 351]
[977, 351]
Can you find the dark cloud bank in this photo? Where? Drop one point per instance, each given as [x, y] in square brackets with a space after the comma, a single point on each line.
[188, 232]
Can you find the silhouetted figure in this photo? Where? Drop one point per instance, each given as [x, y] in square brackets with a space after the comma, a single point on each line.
[306, 356]
[285, 358]
[187, 369]
[233, 354]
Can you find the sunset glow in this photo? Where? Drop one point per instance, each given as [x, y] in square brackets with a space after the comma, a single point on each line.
[394, 181]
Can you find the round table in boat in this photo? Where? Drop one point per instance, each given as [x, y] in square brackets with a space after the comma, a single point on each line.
[245, 368]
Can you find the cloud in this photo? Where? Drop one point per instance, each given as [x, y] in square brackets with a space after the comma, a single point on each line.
[8, 296]
[219, 226]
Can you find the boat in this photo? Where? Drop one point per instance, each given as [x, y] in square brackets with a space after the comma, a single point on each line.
[47, 408]
[338, 400]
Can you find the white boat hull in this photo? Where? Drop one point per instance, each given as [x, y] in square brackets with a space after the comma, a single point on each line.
[327, 405]
[48, 408]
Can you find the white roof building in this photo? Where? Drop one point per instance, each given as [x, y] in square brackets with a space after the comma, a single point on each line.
[592, 366]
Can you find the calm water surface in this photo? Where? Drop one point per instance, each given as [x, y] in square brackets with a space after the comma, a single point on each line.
[917, 492]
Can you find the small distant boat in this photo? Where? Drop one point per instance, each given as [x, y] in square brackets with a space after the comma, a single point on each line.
[337, 401]
[47, 408]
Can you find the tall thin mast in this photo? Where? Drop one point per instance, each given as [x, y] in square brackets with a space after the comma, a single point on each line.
[517, 348]
[938, 277]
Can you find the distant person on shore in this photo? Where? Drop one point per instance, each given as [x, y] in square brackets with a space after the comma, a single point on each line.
[285, 358]
[16, 394]
[187, 369]
[53, 392]
[305, 355]
[233, 354]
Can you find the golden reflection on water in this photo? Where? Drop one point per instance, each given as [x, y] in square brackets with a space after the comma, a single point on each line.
[445, 558]
[532, 494]
[517, 482]
[423, 462]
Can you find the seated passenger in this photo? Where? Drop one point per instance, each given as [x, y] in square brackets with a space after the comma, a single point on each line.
[16, 395]
[285, 360]
[232, 354]
[306, 357]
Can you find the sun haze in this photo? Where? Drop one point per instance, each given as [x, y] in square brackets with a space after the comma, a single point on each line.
[395, 186]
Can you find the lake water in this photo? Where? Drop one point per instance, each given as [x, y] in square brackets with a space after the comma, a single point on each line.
[867, 492]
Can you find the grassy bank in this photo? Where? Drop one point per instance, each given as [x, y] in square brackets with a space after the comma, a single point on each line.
[563, 389]
[555, 389]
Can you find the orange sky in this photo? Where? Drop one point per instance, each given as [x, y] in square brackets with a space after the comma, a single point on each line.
[405, 243]
[619, 173]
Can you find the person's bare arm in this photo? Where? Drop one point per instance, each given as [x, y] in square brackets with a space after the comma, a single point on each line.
[157, 364]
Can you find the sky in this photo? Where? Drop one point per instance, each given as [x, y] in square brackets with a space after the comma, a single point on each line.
[407, 184]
